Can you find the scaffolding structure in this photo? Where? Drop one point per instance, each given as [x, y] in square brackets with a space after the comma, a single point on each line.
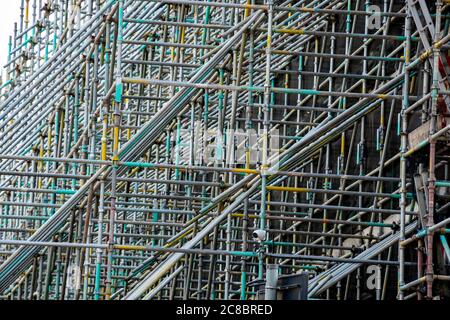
[179, 149]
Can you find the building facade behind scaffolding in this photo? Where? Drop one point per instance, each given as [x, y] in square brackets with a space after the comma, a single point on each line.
[193, 149]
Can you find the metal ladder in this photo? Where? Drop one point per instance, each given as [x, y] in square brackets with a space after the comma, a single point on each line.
[425, 26]
[422, 198]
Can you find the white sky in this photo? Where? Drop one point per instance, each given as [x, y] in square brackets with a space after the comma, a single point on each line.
[9, 13]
